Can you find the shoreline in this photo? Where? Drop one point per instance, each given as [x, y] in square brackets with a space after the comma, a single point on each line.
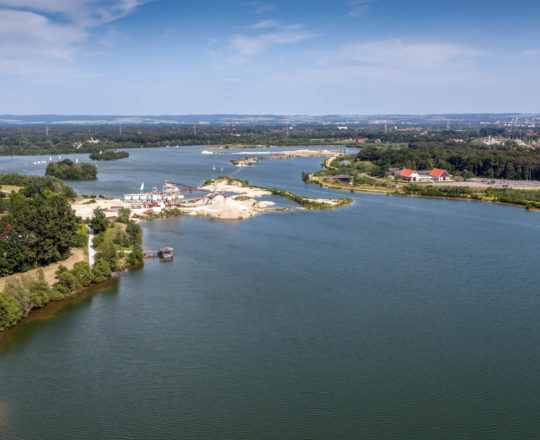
[396, 193]
[54, 306]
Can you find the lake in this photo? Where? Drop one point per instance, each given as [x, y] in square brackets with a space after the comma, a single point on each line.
[391, 318]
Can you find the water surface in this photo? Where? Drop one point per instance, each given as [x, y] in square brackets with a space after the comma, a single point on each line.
[391, 318]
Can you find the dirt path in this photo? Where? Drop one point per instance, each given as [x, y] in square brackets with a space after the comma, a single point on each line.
[76, 255]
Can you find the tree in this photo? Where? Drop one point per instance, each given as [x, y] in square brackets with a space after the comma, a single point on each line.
[123, 215]
[99, 222]
[107, 251]
[10, 311]
[40, 292]
[101, 271]
[67, 283]
[45, 227]
[134, 231]
[83, 272]
[15, 288]
[136, 255]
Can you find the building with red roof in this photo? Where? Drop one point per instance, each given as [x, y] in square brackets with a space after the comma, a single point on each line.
[439, 175]
[408, 174]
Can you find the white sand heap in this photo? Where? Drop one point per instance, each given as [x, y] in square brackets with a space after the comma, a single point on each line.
[237, 207]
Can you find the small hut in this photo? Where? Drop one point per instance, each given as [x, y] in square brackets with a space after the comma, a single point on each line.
[166, 253]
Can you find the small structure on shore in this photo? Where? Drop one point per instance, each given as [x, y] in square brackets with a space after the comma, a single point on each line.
[165, 253]
[341, 178]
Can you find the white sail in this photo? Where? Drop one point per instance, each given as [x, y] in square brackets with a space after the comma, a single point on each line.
[142, 186]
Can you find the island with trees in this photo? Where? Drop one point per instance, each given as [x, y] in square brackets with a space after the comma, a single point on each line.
[69, 170]
[109, 155]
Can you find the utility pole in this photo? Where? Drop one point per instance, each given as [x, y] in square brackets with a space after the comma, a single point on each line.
[46, 130]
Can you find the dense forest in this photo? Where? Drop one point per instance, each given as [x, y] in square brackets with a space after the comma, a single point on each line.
[39, 226]
[31, 140]
[463, 160]
[68, 170]
[109, 155]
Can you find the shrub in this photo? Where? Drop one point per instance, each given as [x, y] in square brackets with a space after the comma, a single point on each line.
[83, 272]
[10, 311]
[101, 271]
[67, 283]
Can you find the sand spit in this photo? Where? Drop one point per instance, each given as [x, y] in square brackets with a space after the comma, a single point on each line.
[85, 210]
[238, 207]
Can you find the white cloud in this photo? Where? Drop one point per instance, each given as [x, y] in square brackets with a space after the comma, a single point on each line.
[259, 6]
[253, 45]
[396, 65]
[250, 45]
[38, 34]
[402, 55]
[265, 24]
[358, 7]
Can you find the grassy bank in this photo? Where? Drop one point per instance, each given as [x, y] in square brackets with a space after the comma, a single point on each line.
[530, 199]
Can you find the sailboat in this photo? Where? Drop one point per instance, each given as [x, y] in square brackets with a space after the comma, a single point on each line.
[142, 187]
[214, 168]
[221, 169]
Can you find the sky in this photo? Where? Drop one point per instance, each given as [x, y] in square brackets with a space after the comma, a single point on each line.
[152, 57]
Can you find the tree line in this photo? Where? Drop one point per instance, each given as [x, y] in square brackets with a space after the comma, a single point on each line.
[464, 160]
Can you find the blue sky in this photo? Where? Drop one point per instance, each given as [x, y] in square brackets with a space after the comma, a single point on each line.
[275, 56]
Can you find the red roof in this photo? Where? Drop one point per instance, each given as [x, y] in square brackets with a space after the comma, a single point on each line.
[406, 172]
[437, 172]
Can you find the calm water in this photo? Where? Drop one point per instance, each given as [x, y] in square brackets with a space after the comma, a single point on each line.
[392, 318]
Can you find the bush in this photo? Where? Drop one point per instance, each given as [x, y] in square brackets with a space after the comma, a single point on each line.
[10, 311]
[83, 272]
[107, 251]
[136, 255]
[67, 283]
[101, 271]
[15, 288]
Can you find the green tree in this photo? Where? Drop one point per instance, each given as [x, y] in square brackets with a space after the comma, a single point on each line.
[134, 232]
[19, 293]
[40, 292]
[101, 271]
[83, 272]
[10, 311]
[45, 227]
[123, 215]
[99, 222]
[136, 255]
[67, 283]
[107, 251]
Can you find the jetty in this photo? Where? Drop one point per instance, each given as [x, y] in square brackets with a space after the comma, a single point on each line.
[165, 253]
